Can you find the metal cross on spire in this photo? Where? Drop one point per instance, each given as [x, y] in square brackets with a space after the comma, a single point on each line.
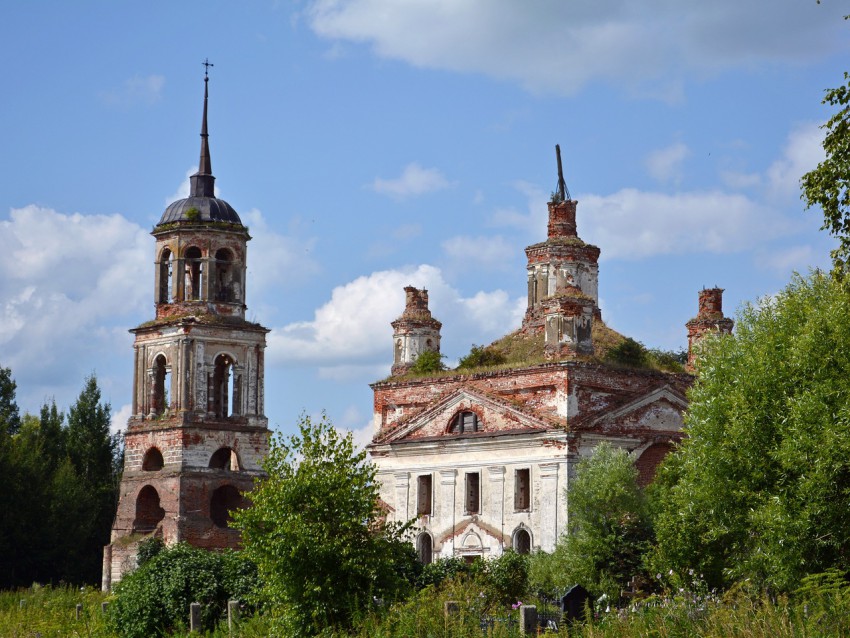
[207, 64]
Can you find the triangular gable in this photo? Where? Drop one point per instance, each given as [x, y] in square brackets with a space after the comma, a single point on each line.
[496, 415]
[660, 409]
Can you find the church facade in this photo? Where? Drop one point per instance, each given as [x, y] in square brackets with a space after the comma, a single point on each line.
[483, 458]
[198, 433]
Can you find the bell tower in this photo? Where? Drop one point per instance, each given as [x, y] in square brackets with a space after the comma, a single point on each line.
[198, 432]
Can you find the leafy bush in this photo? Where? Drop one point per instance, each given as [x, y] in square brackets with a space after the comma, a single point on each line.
[155, 598]
[507, 575]
[481, 356]
[428, 362]
[628, 353]
[148, 548]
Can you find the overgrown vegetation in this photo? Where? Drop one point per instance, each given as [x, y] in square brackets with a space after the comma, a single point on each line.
[318, 535]
[154, 599]
[60, 481]
[482, 357]
[428, 362]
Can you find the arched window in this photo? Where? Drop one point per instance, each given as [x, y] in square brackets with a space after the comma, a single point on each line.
[224, 500]
[161, 381]
[153, 460]
[224, 289]
[522, 541]
[165, 270]
[425, 548]
[225, 458]
[225, 388]
[194, 273]
[464, 422]
[148, 511]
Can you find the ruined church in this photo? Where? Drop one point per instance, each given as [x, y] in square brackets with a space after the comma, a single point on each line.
[482, 458]
[198, 432]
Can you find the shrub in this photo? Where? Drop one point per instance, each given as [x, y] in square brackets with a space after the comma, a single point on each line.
[428, 362]
[155, 598]
[481, 356]
[628, 353]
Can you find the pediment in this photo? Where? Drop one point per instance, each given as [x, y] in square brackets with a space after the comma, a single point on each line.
[661, 409]
[495, 416]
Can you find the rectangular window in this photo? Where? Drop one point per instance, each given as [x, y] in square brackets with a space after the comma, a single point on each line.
[424, 496]
[473, 493]
[522, 489]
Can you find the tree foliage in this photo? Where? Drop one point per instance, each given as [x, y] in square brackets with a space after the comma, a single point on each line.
[154, 599]
[317, 532]
[828, 185]
[427, 362]
[761, 487]
[608, 529]
[57, 517]
[481, 356]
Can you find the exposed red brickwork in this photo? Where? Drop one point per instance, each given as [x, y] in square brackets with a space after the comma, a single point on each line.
[562, 219]
[647, 464]
[709, 320]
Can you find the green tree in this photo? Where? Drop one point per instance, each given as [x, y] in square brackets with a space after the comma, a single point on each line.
[608, 530]
[92, 451]
[317, 532]
[760, 489]
[10, 418]
[828, 185]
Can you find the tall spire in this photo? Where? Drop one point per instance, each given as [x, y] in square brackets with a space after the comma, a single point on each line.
[203, 182]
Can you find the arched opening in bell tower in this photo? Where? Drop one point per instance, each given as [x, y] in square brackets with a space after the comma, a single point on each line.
[194, 273]
[161, 383]
[224, 500]
[224, 288]
[165, 271]
[225, 387]
[148, 510]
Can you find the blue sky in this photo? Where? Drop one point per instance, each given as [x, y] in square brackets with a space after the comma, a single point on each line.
[372, 144]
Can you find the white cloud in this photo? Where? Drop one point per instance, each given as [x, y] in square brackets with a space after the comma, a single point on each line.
[352, 330]
[413, 181]
[119, 418]
[494, 253]
[740, 181]
[783, 261]
[665, 164]
[803, 151]
[559, 47]
[632, 224]
[70, 285]
[136, 90]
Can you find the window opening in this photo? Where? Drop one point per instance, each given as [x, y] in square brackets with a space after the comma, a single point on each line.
[425, 548]
[522, 489]
[522, 542]
[165, 271]
[161, 382]
[225, 458]
[224, 388]
[194, 273]
[473, 493]
[464, 422]
[224, 500]
[148, 511]
[425, 496]
[153, 460]
[223, 276]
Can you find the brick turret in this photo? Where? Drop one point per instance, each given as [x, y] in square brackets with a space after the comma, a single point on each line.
[415, 331]
[709, 321]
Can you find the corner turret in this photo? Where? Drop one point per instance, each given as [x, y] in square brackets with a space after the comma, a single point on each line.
[709, 321]
[414, 332]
